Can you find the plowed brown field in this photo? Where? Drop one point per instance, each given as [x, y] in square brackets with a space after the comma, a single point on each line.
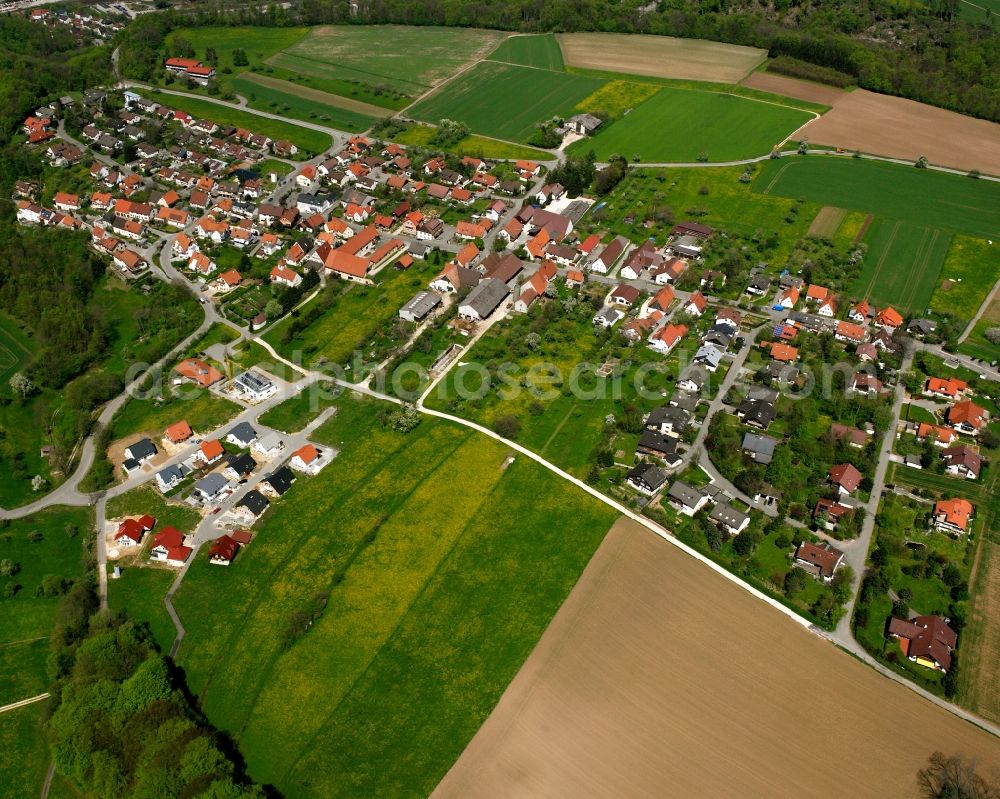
[660, 56]
[793, 87]
[659, 678]
[898, 128]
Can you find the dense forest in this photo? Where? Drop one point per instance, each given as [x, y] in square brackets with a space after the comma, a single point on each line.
[121, 722]
[926, 52]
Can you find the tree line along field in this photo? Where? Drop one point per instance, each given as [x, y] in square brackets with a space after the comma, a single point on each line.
[689, 125]
[430, 607]
[506, 101]
[541, 51]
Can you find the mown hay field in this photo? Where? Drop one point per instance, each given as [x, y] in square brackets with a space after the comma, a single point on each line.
[505, 101]
[660, 56]
[541, 51]
[315, 100]
[410, 58]
[431, 609]
[682, 125]
[980, 676]
[659, 672]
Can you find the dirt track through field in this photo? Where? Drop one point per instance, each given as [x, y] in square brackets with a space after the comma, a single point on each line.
[659, 678]
[318, 96]
[660, 56]
[793, 87]
[892, 126]
[827, 221]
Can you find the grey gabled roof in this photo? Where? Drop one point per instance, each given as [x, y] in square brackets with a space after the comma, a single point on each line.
[762, 445]
[143, 448]
[646, 473]
[280, 480]
[486, 297]
[253, 501]
[728, 515]
[685, 494]
[176, 471]
[658, 442]
[423, 303]
[244, 431]
[211, 484]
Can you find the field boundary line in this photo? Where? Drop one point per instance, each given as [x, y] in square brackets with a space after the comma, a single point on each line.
[24, 641]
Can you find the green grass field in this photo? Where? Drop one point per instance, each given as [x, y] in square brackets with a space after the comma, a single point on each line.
[25, 753]
[660, 129]
[201, 409]
[298, 411]
[26, 615]
[15, 351]
[902, 264]
[970, 271]
[715, 192]
[540, 51]
[479, 146]
[311, 141]
[356, 314]
[258, 43]
[504, 100]
[923, 197]
[332, 79]
[410, 59]
[275, 101]
[432, 607]
[139, 592]
[147, 499]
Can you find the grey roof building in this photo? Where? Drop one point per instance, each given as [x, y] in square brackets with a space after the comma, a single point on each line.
[242, 435]
[730, 519]
[211, 485]
[646, 478]
[483, 300]
[141, 450]
[759, 448]
[423, 303]
[685, 498]
[253, 501]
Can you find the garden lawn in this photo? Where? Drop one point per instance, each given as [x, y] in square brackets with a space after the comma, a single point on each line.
[145, 499]
[541, 51]
[504, 100]
[139, 592]
[660, 129]
[902, 265]
[310, 141]
[923, 197]
[25, 753]
[967, 277]
[357, 313]
[201, 409]
[312, 109]
[426, 595]
[298, 411]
